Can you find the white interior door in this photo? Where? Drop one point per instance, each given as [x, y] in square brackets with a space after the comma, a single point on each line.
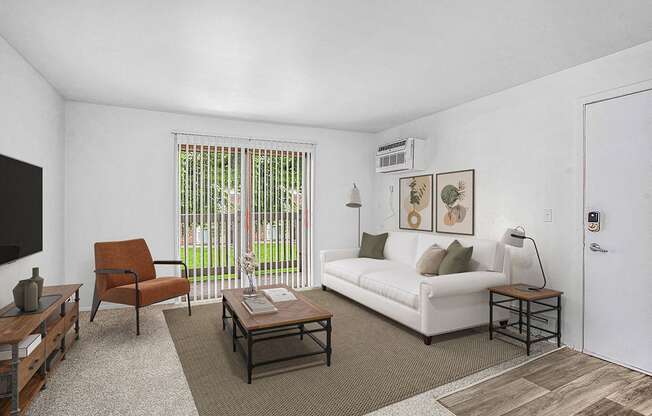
[618, 281]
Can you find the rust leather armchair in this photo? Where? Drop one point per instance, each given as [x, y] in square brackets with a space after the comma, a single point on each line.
[125, 273]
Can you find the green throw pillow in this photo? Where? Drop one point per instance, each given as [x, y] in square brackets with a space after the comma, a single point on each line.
[457, 259]
[372, 246]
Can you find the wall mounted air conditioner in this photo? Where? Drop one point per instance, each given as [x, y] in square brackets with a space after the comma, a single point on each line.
[401, 156]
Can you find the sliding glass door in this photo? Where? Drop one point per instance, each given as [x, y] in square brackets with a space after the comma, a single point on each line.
[237, 195]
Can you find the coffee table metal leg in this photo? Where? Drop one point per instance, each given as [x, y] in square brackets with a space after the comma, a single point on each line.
[235, 332]
[329, 350]
[301, 326]
[223, 315]
[250, 366]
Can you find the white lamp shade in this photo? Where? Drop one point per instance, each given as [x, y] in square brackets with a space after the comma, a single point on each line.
[354, 198]
[510, 240]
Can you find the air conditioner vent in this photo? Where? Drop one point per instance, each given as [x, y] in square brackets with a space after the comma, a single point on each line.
[401, 155]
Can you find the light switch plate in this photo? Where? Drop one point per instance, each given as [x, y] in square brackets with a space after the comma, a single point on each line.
[547, 215]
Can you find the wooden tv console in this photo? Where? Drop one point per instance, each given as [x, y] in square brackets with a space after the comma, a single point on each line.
[22, 379]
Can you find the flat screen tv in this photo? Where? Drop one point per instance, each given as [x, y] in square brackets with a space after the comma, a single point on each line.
[21, 209]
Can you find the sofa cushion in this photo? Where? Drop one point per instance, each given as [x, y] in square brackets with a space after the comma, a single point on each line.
[487, 254]
[430, 260]
[401, 247]
[457, 259]
[372, 246]
[400, 285]
[150, 291]
[351, 269]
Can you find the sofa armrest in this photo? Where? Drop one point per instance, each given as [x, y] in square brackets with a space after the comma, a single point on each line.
[460, 283]
[338, 254]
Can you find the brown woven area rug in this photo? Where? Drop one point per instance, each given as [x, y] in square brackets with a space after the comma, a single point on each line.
[376, 362]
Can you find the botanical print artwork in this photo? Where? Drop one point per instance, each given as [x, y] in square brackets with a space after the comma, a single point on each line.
[455, 202]
[415, 199]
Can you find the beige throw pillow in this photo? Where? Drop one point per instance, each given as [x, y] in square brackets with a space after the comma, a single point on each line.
[430, 260]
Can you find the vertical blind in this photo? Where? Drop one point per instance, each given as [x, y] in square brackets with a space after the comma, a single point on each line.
[236, 195]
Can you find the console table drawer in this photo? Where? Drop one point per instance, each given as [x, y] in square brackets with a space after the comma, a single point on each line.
[72, 312]
[54, 336]
[30, 365]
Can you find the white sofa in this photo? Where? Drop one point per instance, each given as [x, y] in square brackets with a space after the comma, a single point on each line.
[429, 305]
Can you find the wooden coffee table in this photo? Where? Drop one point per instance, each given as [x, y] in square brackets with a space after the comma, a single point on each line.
[290, 321]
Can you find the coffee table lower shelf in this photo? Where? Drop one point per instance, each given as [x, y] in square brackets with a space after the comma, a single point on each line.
[283, 331]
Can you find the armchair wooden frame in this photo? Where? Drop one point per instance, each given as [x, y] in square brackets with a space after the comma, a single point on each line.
[105, 272]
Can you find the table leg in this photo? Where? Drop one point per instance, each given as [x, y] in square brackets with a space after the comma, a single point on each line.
[527, 328]
[520, 316]
[43, 331]
[301, 326]
[77, 320]
[235, 331]
[250, 366]
[329, 348]
[223, 314]
[558, 321]
[491, 315]
[15, 399]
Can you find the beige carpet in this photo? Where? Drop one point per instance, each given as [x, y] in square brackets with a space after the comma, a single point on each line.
[112, 372]
[375, 363]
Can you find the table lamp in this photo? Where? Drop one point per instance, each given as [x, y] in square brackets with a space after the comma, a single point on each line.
[514, 237]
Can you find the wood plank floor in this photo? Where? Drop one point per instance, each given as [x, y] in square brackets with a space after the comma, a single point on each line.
[563, 383]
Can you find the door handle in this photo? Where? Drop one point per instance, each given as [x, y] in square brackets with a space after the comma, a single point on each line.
[596, 247]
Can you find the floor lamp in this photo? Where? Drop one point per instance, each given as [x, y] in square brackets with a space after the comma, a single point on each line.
[355, 202]
[514, 237]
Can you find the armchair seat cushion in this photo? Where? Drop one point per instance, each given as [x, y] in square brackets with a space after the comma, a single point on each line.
[151, 291]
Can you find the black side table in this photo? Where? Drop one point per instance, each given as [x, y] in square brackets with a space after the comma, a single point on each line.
[511, 293]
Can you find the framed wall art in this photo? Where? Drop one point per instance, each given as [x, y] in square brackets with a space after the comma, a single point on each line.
[415, 203]
[455, 202]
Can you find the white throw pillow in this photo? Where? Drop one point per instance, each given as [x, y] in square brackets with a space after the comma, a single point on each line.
[428, 264]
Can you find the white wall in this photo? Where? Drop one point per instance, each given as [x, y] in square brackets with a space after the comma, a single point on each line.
[524, 145]
[120, 178]
[31, 119]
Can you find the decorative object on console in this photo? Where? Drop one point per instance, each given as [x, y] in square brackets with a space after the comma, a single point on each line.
[249, 266]
[514, 237]
[430, 260]
[373, 246]
[415, 203]
[26, 295]
[455, 207]
[38, 280]
[457, 259]
[355, 202]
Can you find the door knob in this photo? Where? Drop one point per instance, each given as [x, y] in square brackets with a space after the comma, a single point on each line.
[596, 247]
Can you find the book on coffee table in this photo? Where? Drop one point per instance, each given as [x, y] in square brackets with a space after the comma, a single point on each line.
[259, 306]
[279, 294]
